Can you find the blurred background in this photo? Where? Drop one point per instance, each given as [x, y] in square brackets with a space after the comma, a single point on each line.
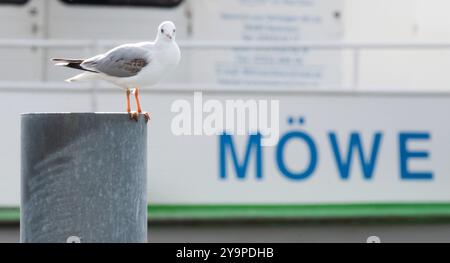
[348, 67]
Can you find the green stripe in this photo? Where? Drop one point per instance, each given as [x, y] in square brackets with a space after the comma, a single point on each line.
[9, 214]
[348, 211]
[298, 211]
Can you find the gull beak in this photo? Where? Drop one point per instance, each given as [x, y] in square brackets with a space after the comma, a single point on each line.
[169, 36]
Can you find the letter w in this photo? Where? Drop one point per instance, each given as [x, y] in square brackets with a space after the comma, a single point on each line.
[344, 166]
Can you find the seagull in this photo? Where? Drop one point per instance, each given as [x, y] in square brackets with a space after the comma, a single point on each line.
[131, 66]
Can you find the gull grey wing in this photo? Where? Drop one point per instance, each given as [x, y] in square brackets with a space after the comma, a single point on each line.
[122, 62]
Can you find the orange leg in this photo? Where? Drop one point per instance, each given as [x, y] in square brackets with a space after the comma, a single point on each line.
[128, 101]
[133, 115]
[136, 95]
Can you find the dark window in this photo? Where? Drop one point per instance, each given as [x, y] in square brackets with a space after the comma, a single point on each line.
[157, 3]
[14, 2]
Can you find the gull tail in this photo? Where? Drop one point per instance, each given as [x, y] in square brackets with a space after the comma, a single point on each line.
[71, 63]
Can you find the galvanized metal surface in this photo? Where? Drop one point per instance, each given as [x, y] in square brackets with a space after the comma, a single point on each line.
[83, 178]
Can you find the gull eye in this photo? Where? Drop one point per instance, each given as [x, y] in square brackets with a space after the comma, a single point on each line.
[162, 30]
[174, 30]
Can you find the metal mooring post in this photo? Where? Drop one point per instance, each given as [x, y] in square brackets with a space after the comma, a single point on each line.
[83, 178]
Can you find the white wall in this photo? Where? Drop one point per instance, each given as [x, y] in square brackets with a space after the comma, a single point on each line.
[22, 21]
[399, 21]
[363, 20]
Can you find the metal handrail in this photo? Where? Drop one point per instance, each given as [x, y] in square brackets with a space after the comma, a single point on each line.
[207, 44]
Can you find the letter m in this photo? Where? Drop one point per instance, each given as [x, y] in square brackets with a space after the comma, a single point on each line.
[241, 167]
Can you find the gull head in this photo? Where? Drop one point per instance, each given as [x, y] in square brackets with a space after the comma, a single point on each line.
[167, 31]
